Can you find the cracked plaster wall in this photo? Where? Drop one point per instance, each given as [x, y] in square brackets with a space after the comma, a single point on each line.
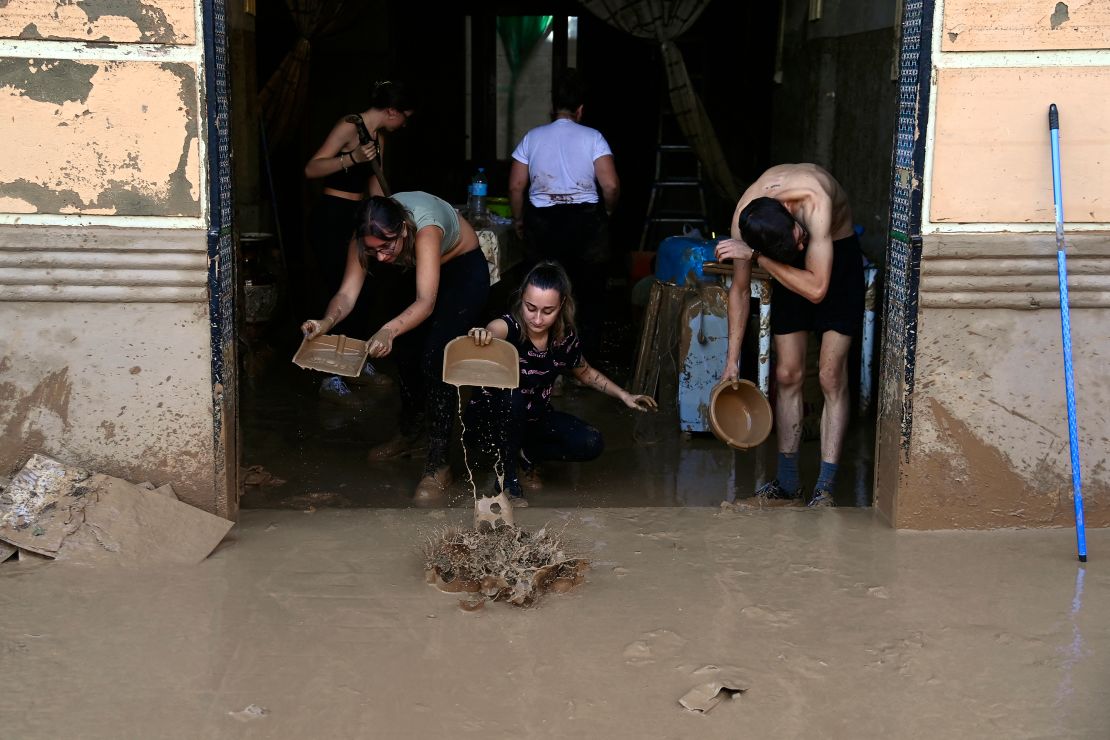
[99, 137]
[116, 21]
[106, 359]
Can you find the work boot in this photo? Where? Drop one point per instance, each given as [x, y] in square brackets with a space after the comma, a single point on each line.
[370, 377]
[529, 475]
[399, 445]
[334, 390]
[822, 498]
[774, 491]
[431, 491]
[530, 479]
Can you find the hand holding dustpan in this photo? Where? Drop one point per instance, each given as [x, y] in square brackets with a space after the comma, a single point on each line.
[480, 359]
[335, 354]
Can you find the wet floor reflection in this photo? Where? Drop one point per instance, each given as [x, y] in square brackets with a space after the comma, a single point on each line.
[318, 447]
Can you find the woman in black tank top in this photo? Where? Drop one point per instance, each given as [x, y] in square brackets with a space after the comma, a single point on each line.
[349, 163]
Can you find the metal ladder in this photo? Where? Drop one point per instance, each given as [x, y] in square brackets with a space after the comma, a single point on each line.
[667, 159]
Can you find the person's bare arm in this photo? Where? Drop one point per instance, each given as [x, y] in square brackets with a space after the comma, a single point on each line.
[339, 307]
[327, 160]
[518, 183]
[428, 242]
[605, 171]
[739, 307]
[595, 379]
[812, 282]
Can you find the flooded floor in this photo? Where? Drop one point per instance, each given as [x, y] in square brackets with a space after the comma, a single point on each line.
[320, 450]
[321, 625]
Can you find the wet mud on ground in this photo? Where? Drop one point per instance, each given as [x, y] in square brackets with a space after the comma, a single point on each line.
[319, 449]
[322, 625]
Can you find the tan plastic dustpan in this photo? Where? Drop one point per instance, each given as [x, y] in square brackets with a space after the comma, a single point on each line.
[336, 354]
[739, 414]
[497, 365]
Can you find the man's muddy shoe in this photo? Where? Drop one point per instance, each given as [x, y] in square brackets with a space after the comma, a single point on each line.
[399, 445]
[821, 499]
[530, 479]
[518, 502]
[334, 390]
[372, 378]
[431, 491]
[529, 476]
[773, 491]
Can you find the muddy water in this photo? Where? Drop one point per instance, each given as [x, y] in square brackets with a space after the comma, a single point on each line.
[843, 628]
[479, 372]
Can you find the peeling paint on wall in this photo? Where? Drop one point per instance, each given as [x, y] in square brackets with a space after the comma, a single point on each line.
[99, 138]
[116, 21]
[1015, 25]
[1060, 16]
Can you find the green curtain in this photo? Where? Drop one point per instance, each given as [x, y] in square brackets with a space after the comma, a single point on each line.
[519, 35]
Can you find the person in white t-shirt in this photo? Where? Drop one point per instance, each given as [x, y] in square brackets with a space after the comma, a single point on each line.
[572, 187]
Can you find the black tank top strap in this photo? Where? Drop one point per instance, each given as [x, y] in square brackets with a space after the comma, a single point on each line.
[355, 177]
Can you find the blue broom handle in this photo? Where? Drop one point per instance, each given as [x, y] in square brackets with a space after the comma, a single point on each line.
[1069, 386]
[1065, 330]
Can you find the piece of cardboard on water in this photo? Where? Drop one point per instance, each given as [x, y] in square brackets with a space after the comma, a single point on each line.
[127, 524]
[35, 507]
[727, 681]
[6, 551]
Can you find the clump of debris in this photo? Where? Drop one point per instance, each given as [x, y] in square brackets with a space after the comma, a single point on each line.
[504, 564]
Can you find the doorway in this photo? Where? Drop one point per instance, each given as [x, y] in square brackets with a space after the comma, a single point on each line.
[789, 66]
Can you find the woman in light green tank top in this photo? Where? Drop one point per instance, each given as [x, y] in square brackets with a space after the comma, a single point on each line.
[417, 230]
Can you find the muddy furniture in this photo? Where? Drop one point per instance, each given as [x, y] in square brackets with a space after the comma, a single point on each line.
[501, 248]
[684, 341]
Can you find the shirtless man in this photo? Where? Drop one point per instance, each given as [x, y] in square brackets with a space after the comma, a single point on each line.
[795, 223]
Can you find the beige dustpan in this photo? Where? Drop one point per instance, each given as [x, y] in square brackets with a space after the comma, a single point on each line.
[496, 365]
[337, 354]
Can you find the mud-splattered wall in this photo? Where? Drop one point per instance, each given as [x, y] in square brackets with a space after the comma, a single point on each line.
[105, 357]
[985, 413]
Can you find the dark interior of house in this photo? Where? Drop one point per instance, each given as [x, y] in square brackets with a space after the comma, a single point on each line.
[776, 85]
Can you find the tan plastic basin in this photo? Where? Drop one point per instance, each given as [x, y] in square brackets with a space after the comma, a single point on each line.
[739, 414]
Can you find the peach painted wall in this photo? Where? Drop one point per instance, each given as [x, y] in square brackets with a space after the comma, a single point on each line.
[989, 440]
[105, 357]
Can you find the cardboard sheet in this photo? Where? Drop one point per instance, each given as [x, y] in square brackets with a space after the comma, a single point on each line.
[726, 682]
[125, 524]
